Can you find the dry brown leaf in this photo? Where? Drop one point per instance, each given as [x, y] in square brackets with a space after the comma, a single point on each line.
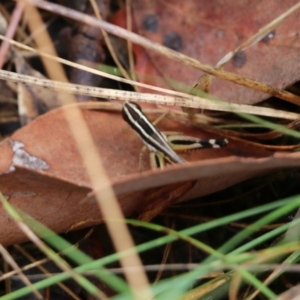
[209, 30]
[41, 171]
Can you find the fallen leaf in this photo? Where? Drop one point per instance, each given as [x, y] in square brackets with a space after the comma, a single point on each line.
[41, 171]
[32, 100]
[207, 31]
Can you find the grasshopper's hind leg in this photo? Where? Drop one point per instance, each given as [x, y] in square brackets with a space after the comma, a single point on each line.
[157, 160]
[186, 143]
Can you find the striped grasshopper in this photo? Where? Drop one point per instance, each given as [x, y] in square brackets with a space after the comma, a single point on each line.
[162, 147]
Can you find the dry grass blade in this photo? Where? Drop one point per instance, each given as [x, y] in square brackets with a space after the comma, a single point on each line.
[134, 38]
[106, 199]
[194, 102]
[11, 31]
[205, 81]
[291, 294]
[179, 99]
[259, 35]
[39, 265]
[63, 265]
[107, 41]
[9, 259]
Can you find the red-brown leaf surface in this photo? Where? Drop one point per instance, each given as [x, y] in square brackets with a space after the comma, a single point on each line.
[49, 181]
[207, 31]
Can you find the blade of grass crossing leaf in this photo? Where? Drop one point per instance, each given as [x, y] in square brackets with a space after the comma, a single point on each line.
[270, 125]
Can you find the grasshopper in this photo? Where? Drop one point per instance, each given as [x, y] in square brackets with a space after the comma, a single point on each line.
[162, 147]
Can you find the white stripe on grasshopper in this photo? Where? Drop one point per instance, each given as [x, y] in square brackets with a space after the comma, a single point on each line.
[158, 143]
[161, 144]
